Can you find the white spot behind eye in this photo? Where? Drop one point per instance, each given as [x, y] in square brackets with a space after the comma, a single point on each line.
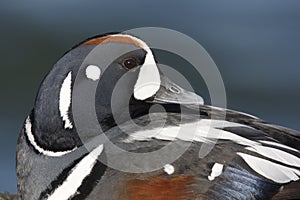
[169, 169]
[93, 72]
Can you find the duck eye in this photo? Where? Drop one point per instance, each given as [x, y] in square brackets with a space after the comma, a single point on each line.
[130, 63]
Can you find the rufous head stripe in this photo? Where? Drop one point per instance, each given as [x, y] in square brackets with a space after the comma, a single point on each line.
[113, 38]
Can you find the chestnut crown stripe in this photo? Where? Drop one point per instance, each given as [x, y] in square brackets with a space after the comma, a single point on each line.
[148, 82]
[119, 38]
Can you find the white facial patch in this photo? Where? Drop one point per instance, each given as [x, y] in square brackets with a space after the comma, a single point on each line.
[65, 100]
[30, 136]
[93, 72]
[148, 82]
[216, 171]
[169, 169]
[78, 174]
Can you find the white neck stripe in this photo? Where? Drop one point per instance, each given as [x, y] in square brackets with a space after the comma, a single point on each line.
[70, 186]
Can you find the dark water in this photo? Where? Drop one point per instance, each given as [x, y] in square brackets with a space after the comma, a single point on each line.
[255, 44]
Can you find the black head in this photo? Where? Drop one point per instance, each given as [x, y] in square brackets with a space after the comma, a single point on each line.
[126, 81]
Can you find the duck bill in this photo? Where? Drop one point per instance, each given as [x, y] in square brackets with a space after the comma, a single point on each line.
[170, 92]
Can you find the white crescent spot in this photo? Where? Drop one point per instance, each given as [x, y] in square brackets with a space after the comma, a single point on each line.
[65, 100]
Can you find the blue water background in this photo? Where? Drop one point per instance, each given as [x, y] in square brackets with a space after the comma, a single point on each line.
[255, 44]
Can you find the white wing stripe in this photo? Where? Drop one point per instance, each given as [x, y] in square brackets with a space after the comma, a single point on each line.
[273, 171]
[278, 145]
[201, 131]
[207, 130]
[276, 154]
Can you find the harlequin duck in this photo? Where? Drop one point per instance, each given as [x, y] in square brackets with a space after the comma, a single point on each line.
[61, 154]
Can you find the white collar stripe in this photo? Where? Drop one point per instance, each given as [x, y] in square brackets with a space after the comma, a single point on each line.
[30, 136]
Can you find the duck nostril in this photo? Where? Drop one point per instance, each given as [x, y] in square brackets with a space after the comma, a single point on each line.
[174, 89]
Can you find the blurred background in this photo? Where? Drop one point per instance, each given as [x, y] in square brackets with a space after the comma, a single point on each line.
[255, 44]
